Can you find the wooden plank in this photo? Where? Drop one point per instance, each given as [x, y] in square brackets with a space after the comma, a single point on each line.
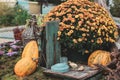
[88, 74]
[52, 45]
[95, 77]
[42, 45]
[57, 47]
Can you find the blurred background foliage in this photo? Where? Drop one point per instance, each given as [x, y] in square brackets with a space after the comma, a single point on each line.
[115, 8]
[10, 16]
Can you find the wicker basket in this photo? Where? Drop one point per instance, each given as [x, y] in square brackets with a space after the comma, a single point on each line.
[18, 33]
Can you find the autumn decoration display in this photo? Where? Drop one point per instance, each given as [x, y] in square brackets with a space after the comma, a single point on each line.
[84, 26]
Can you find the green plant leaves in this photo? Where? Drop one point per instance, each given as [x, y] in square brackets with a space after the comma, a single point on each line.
[13, 15]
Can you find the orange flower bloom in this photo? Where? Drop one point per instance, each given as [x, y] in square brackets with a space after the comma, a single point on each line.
[99, 41]
[116, 34]
[76, 16]
[71, 31]
[99, 31]
[103, 33]
[73, 20]
[85, 39]
[107, 39]
[81, 16]
[83, 34]
[74, 40]
[92, 28]
[92, 40]
[58, 38]
[69, 34]
[111, 40]
[88, 34]
[59, 33]
[79, 39]
[72, 27]
[111, 31]
[86, 51]
[61, 28]
[80, 23]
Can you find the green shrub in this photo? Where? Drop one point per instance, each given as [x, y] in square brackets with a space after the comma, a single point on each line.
[6, 14]
[12, 16]
[5, 20]
[115, 9]
[20, 15]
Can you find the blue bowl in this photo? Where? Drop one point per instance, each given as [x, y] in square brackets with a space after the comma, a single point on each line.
[60, 67]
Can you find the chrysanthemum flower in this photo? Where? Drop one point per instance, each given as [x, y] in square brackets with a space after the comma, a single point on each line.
[84, 25]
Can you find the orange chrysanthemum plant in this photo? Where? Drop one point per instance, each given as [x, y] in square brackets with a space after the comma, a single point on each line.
[84, 26]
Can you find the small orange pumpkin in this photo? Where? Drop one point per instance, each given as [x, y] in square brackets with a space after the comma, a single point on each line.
[24, 67]
[99, 57]
[31, 50]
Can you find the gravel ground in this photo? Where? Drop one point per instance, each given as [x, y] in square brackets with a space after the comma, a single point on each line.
[6, 34]
[5, 40]
[4, 29]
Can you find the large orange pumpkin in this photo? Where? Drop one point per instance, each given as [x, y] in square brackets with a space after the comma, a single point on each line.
[31, 50]
[99, 57]
[24, 67]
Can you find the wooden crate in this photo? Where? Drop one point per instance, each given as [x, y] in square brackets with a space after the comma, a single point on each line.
[18, 33]
[87, 74]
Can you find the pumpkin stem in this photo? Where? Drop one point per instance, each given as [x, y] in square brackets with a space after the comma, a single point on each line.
[34, 59]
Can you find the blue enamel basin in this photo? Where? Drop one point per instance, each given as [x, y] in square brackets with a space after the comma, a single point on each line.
[60, 67]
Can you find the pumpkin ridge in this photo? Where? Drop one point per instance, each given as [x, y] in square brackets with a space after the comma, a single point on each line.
[99, 57]
[24, 67]
[31, 50]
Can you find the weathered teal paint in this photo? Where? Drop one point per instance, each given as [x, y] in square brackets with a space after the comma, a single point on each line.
[24, 4]
[53, 51]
